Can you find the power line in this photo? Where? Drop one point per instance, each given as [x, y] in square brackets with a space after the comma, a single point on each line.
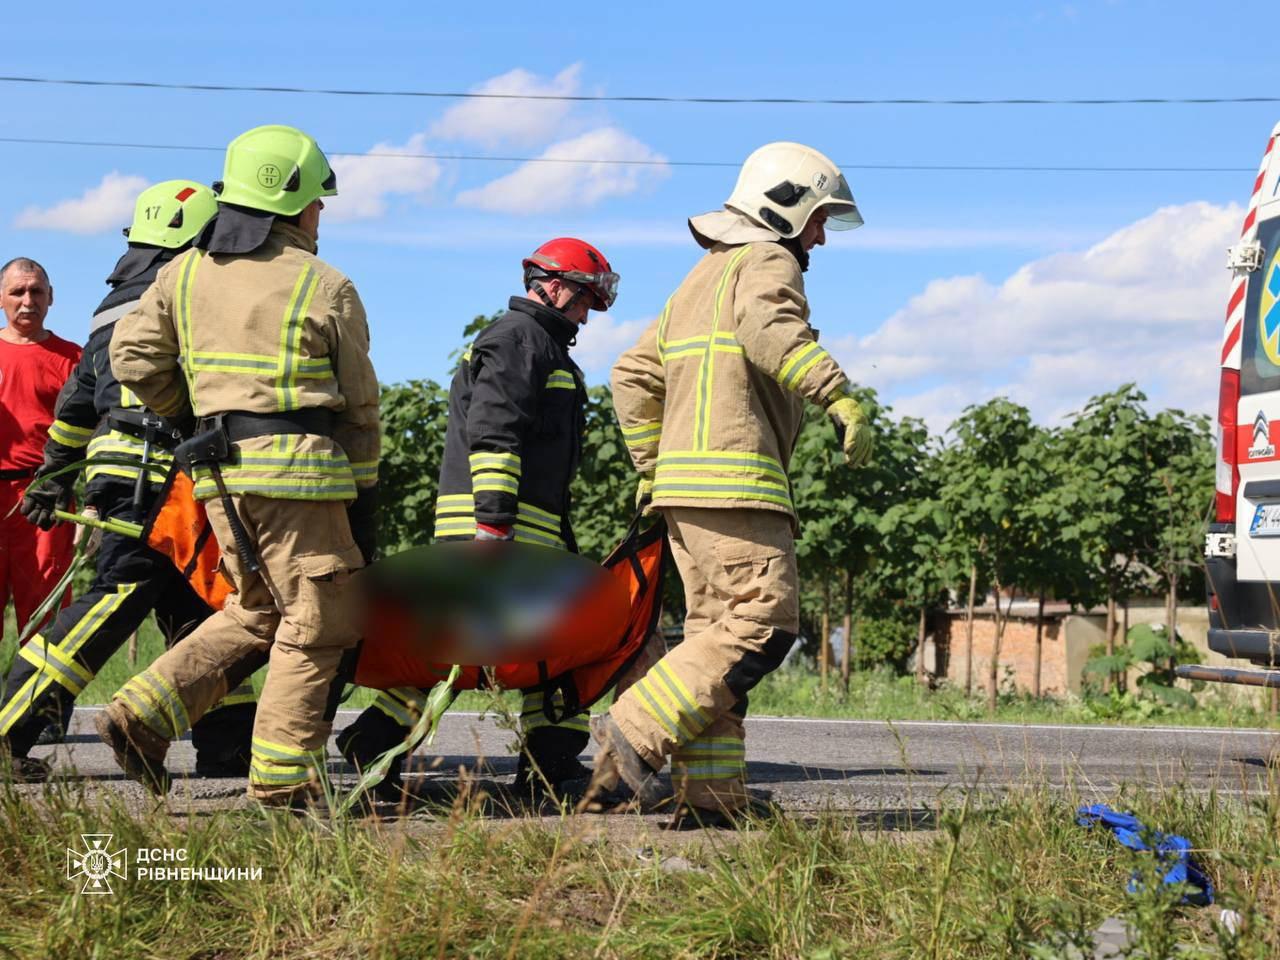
[602, 98]
[649, 162]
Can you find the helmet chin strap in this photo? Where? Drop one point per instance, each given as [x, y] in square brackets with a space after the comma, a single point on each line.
[546, 298]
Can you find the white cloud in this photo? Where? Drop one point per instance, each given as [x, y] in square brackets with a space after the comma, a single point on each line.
[519, 122]
[602, 340]
[365, 182]
[540, 187]
[106, 207]
[1144, 304]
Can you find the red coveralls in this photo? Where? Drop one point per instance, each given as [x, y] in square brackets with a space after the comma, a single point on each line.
[31, 559]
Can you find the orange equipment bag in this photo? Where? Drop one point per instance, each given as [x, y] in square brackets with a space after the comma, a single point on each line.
[179, 528]
[583, 674]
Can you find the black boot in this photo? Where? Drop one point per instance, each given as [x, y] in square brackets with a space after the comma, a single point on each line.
[372, 734]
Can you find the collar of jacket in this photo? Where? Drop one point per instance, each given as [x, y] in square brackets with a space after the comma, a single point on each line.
[561, 329]
[133, 273]
[239, 230]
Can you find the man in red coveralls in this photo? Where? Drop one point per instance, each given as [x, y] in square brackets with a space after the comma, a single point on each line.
[34, 363]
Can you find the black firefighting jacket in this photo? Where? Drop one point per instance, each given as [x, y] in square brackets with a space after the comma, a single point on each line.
[92, 393]
[514, 438]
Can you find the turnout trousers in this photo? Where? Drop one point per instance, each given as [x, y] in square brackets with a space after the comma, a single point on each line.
[296, 610]
[131, 581]
[742, 595]
[31, 560]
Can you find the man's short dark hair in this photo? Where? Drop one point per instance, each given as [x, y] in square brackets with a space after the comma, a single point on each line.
[26, 265]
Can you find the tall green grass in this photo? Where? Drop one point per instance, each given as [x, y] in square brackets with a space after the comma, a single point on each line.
[983, 876]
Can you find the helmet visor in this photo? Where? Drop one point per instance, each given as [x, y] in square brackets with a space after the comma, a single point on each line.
[329, 186]
[603, 285]
[842, 212]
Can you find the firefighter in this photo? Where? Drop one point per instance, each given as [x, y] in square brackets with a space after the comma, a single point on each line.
[93, 411]
[268, 346]
[710, 402]
[512, 446]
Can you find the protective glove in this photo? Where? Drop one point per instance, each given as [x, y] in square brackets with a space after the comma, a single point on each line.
[362, 515]
[853, 430]
[485, 531]
[90, 536]
[43, 497]
[644, 495]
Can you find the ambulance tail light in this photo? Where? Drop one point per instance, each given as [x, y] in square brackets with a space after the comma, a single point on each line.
[1228, 472]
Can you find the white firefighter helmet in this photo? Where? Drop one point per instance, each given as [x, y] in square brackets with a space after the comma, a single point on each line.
[782, 183]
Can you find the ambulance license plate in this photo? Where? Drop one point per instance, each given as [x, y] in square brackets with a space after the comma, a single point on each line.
[1266, 521]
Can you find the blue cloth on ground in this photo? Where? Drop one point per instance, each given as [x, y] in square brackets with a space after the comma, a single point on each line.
[1170, 849]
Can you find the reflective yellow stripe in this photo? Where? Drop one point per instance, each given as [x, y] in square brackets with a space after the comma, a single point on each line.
[295, 315]
[118, 444]
[642, 433]
[491, 481]
[495, 460]
[662, 330]
[702, 419]
[537, 513]
[561, 380]
[697, 346]
[800, 363]
[721, 460]
[186, 280]
[238, 697]
[156, 704]
[719, 490]
[365, 470]
[68, 434]
[532, 716]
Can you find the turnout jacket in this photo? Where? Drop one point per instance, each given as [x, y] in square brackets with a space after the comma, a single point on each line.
[268, 332]
[514, 435]
[711, 399]
[92, 391]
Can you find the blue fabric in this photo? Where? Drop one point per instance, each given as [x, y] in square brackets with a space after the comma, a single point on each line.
[1173, 851]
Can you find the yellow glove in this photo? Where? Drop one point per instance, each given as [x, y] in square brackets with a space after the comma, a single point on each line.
[644, 495]
[854, 430]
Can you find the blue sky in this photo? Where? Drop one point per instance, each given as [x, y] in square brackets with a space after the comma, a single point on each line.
[1042, 286]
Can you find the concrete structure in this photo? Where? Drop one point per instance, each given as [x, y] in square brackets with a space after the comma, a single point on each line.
[1067, 640]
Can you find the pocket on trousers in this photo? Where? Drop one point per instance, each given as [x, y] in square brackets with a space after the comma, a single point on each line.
[322, 614]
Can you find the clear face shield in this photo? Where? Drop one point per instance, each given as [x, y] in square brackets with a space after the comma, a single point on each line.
[842, 212]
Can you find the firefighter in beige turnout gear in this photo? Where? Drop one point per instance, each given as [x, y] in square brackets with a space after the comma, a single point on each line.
[252, 328]
[710, 402]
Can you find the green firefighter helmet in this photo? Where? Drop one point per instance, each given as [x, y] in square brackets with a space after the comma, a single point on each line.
[277, 169]
[170, 214]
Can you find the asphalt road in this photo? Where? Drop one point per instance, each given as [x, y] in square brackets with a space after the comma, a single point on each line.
[809, 765]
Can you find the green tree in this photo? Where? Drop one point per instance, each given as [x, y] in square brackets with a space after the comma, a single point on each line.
[1182, 481]
[1108, 492]
[604, 489]
[413, 427]
[841, 509]
[988, 477]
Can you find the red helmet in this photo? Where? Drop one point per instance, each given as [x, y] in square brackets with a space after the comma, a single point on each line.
[574, 260]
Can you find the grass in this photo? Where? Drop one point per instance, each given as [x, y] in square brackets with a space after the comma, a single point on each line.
[1012, 876]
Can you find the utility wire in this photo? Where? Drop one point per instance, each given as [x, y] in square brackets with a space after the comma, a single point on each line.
[601, 98]
[615, 161]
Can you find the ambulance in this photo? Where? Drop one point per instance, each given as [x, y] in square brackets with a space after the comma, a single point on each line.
[1242, 546]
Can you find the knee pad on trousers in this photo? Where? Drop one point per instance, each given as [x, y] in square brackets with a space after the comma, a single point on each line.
[754, 666]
